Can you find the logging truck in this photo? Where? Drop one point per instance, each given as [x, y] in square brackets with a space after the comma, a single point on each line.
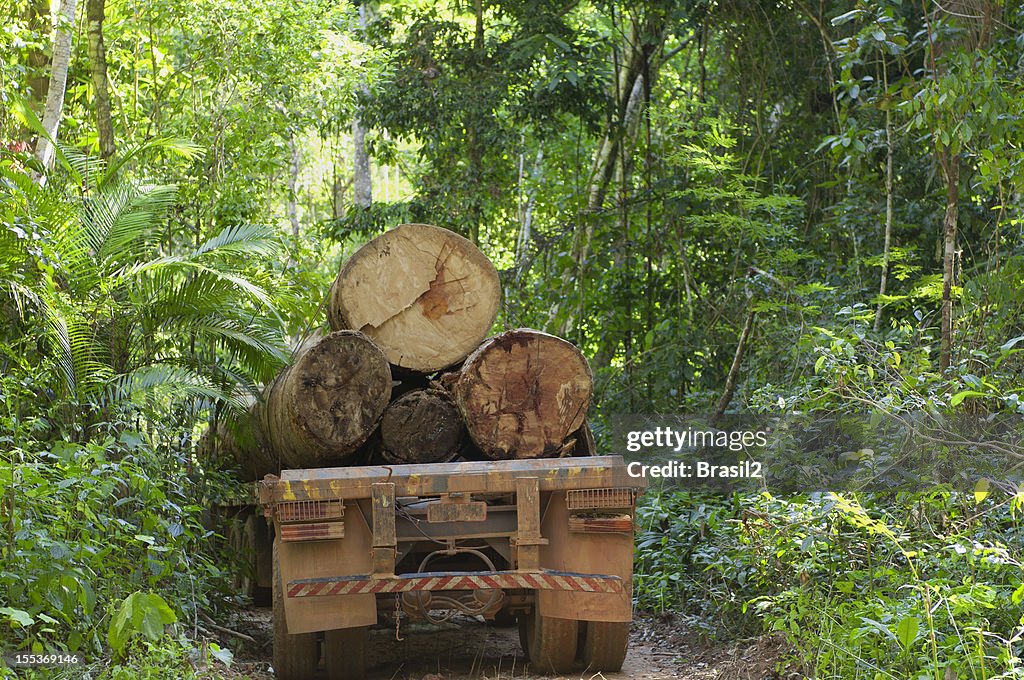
[547, 542]
[412, 467]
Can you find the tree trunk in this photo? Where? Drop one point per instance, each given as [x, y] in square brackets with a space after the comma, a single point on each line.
[523, 393]
[54, 109]
[425, 295]
[646, 40]
[422, 426]
[362, 183]
[293, 181]
[37, 17]
[734, 369]
[951, 171]
[888, 212]
[526, 208]
[95, 11]
[319, 410]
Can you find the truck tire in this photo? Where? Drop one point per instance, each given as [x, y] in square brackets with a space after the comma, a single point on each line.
[295, 656]
[503, 618]
[550, 642]
[345, 653]
[604, 646]
[524, 632]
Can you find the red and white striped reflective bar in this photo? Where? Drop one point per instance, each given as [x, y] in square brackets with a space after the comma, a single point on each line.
[466, 580]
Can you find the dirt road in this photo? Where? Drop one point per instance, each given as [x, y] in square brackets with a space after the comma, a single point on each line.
[465, 649]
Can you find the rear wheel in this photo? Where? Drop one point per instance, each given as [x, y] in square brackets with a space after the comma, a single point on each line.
[550, 643]
[524, 633]
[604, 645]
[345, 653]
[295, 656]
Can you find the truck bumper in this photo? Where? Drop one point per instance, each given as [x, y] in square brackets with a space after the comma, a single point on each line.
[480, 580]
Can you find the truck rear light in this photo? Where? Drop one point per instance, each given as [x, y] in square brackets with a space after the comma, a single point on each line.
[600, 523]
[600, 499]
[310, 511]
[312, 531]
[311, 520]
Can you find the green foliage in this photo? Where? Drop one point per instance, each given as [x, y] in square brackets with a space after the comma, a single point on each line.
[143, 297]
[61, 584]
[861, 587]
[144, 613]
[118, 310]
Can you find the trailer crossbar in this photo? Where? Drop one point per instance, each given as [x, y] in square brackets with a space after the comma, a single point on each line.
[464, 580]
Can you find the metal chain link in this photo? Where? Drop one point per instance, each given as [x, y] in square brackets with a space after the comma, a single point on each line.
[398, 618]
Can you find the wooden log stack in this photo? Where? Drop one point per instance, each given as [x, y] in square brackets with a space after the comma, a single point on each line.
[408, 374]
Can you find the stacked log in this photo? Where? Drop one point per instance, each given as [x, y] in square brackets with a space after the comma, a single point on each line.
[422, 426]
[523, 393]
[408, 374]
[425, 295]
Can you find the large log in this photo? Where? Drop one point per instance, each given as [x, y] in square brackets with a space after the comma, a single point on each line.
[242, 440]
[421, 426]
[425, 295]
[522, 393]
[320, 409]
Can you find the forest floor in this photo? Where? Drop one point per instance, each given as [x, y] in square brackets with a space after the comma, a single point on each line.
[466, 649]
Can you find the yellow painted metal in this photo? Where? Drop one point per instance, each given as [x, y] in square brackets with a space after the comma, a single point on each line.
[434, 479]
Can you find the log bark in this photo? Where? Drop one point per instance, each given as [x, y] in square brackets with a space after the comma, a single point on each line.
[242, 440]
[237, 443]
[425, 295]
[319, 410]
[523, 393]
[422, 426]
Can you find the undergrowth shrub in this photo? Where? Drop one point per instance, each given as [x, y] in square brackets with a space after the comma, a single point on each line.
[927, 585]
[85, 526]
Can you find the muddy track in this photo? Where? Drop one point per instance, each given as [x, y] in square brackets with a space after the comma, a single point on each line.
[466, 649]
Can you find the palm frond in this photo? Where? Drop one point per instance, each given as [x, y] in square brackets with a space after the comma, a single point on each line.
[241, 283]
[241, 239]
[134, 228]
[170, 381]
[178, 147]
[76, 164]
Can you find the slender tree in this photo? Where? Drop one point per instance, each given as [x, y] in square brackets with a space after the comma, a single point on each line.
[54, 109]
[362, 184]
[95, 11]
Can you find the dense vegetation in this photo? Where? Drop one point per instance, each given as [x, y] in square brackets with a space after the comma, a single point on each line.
[735, 206]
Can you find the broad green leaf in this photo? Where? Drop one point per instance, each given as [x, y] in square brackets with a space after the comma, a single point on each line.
[145, 613]
[847, 17]
[960, 396]
[221, 654]
[906, 630]
[119, 630]
[19, 616]
[981, 490]
[1009, 344]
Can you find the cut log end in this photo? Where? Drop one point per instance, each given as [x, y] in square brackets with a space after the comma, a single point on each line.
[523, 393]
[424, 294]
[321, 409]
[422, 426]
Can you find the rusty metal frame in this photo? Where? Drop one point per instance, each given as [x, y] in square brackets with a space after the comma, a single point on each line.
[434, 479]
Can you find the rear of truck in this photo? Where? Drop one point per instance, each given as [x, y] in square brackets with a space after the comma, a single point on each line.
[546, 542]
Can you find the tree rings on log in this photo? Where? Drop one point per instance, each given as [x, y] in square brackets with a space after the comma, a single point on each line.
[522, 393]
[320, 409]
[424, 294]
[422, 426]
